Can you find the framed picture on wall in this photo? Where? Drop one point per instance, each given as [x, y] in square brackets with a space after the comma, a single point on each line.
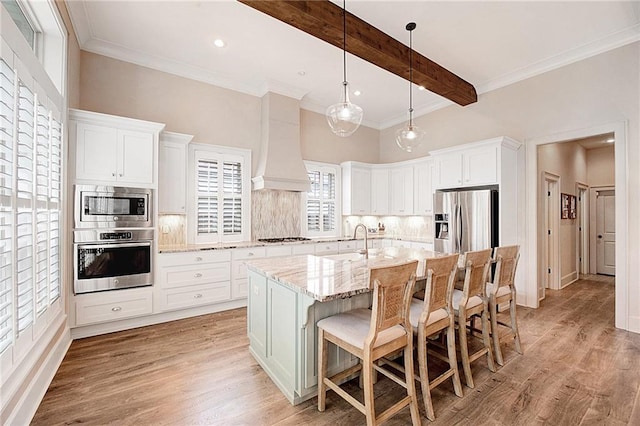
[564, 206]
[572, 207]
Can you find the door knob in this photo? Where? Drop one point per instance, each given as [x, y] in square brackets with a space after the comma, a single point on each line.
[599, 236]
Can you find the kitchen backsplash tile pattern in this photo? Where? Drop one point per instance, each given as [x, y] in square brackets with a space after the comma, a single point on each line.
[172, 229]
[395, 226]
[275, 214]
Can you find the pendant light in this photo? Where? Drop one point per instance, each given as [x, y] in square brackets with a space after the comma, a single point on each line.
[410, 136]
[344, 118]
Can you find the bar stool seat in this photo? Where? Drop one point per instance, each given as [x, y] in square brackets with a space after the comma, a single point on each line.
[371, 335]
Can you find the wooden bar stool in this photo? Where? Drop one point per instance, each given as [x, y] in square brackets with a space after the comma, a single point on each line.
[503, 290]
[432, 316]
[370, 335]
[471, 302]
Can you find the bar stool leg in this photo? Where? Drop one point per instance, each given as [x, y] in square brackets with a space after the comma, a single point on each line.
[514, 325]
[487, 340]
[424, 376]
[453, 360]
[464, 349]
[322, 371]
[494, 333]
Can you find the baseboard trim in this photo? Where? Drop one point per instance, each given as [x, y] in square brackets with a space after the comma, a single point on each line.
[569, 279]
[37, 387]
[634, 324]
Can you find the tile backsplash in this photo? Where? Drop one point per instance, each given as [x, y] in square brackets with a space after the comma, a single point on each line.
[275, 214]
[395, 226]
[172, 229]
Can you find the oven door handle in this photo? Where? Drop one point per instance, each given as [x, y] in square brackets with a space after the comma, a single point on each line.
[114, 245]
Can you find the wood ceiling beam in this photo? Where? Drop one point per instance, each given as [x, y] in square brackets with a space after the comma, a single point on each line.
[323, 19]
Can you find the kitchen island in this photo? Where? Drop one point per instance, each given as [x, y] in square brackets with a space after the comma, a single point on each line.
[289, 295]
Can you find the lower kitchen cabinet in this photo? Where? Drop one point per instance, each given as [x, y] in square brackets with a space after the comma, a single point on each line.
[283, 335]
[93, 308]
[191, 279]
[239, 269]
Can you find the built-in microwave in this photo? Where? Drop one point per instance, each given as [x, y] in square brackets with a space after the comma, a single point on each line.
[112, 207]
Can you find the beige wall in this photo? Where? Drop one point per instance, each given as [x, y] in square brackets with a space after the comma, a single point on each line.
[569, 161]
[601, 166]
[212, 114]
[320, 144]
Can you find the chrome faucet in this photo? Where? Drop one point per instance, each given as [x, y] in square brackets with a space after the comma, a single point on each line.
[366, 239]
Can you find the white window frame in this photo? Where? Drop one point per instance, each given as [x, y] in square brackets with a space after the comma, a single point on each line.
[218, 153]
[337, 170]
[34, 70]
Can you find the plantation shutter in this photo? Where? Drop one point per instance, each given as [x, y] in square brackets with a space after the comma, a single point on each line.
[313, 202]
[232, 197]
[329, 201]
[54, 209]
[7, 124]
[207, 207]
[24, 216]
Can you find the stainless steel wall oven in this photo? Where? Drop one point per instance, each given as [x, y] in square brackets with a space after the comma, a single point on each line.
[112, 259]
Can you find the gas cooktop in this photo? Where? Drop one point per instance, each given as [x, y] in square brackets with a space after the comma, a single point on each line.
[283, 240]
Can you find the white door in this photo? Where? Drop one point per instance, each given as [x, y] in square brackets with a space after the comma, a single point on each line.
[550, 243]
[605, 233]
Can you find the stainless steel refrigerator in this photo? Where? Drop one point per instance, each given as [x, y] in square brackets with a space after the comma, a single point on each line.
[466, 220]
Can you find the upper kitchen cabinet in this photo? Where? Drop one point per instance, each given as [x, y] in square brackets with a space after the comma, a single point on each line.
[423, 173]
[401, 193]
[356, 188]
[172, 173]
[380, 191]
[474, 164]
[113, 150]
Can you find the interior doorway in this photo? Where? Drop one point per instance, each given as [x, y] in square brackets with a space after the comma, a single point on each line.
[583, 228]
[550, 270]
[605, 232]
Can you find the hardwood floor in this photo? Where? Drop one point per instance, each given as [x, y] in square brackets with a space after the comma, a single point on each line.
[577, 369]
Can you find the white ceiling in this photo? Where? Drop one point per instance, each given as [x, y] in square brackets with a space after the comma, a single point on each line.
[489, 44]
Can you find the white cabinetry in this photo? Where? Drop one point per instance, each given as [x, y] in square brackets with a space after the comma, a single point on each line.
[172, 173]
[327, 248]
[423, 188]
[93, 308]
[401, 184]
[379, 191]
[192, 279]
[356, 188]
[114, 150]
[474, 164]
[239, 269]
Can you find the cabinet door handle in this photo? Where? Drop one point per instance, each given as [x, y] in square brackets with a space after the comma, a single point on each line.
[120, 175]
[198, 259]
[198, 275]
[197, 296]
[113, 174]
[116, 308]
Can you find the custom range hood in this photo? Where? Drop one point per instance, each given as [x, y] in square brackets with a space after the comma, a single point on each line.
[280, 165]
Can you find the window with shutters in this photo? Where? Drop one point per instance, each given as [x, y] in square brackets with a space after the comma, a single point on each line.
[323, 199]
[32, 152]
[222, 194]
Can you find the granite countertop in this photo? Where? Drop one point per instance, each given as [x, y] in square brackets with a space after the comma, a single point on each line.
[337, 276]
[177, 248]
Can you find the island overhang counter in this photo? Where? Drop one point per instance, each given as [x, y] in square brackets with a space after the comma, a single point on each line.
[289, 295]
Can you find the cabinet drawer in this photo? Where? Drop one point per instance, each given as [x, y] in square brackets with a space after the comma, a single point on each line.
[401, 243]
[112, 306]
[239, 269]
[193, 257]
[195, 295]
[327, 248]
[303, 249]
[248, 253]
[276, 251]
[179, 276]
[349, 246]
[239, 288]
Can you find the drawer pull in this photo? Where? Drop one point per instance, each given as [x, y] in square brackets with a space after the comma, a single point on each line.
[197, 296]
[198, 275]
[116, 309]
[250, 254]
[198, 259]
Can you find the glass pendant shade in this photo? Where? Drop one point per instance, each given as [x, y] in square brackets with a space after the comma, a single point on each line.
[409, 137]
[344, 118]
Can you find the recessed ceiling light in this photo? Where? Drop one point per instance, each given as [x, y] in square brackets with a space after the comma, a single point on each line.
[219, 42]
[357, 93]
[611, 140]
[421, 88]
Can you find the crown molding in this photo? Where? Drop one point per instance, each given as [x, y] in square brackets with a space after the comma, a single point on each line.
[79, 21]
